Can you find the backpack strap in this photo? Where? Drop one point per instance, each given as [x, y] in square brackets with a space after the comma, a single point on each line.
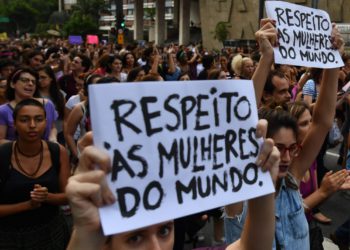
[55, 154]
[5, 162]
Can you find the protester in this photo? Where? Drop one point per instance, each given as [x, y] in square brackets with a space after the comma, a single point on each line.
[23, 84]
[88, 190]
[32, 188]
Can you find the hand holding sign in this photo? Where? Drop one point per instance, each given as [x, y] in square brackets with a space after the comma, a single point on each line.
[189, 147]
[266, 36]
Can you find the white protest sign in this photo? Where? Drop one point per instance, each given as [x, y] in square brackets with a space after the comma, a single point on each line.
[176, 148]
[304, 36]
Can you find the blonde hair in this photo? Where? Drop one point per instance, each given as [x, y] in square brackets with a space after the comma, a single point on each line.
[237, 63]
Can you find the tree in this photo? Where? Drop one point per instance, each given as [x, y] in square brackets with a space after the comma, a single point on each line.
[221, 31]
[26, 14]
[84, 17]
[79, 24]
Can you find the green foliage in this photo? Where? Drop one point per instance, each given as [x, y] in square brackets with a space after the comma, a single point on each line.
[221, 32]
[79, 24]
[84, 17]
[25, 14]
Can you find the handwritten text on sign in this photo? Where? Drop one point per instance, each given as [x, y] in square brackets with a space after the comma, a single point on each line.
[176, 148]
[304, 36]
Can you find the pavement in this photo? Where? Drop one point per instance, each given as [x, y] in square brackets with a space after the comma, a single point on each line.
[337, 208]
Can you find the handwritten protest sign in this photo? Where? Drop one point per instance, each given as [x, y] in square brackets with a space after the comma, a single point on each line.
[92, 39]
[176, 148]
[304, 36]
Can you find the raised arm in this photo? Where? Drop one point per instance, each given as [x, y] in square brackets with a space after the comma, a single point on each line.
[87, 191]
[260, 222]
[266, 36]
[322, 117]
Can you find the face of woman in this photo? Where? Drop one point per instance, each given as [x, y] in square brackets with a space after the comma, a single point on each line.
[30, 123]
[223, 62]
[140, 75]
[286, 143]
[130, 60]
[160, 236]
[117, 65]
[36, 61]
[304, 123]
[25, 86]
[248, 69]
[44, 80]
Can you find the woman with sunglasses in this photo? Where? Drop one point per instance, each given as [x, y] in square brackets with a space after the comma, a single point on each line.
[33, 176]
[24, 85]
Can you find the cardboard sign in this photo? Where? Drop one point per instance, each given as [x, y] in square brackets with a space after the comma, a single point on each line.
[304, 36]
[176, 148]
[75, 40]
[92, 39]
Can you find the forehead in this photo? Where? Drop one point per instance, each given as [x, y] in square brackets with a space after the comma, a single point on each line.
[31, 110]
[27, 75]
[284, 136]
[280, 83]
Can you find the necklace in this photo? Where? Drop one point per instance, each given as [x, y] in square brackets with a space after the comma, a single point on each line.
[27, 155]
[39, 163]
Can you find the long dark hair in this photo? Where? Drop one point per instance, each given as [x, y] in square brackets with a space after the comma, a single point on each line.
[54, 90]
[14, 77]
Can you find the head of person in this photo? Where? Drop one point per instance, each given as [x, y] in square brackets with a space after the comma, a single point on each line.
[301, 112]
[248, 68]
[282, 128]
[276, 88]
[7, 66]
[115, 64]
[47, 78]
[346, 60]
[223, 62]
[208, 61]
[35, 59]
[136, 74]
[243, 67]
[316, 75]
[149, 54]
[23, 84]
[103, 61]
[81, 63]
[155, 237]
[152, 78]
[217, 74]
[129, 60]
[184, 77]
[90, 79]
[181, 57]
[29, 118]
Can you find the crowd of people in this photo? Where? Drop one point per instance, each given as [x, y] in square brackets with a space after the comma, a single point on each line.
[48, 160]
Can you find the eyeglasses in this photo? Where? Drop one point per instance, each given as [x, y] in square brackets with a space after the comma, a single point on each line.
[293, 149]
[27, 80]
